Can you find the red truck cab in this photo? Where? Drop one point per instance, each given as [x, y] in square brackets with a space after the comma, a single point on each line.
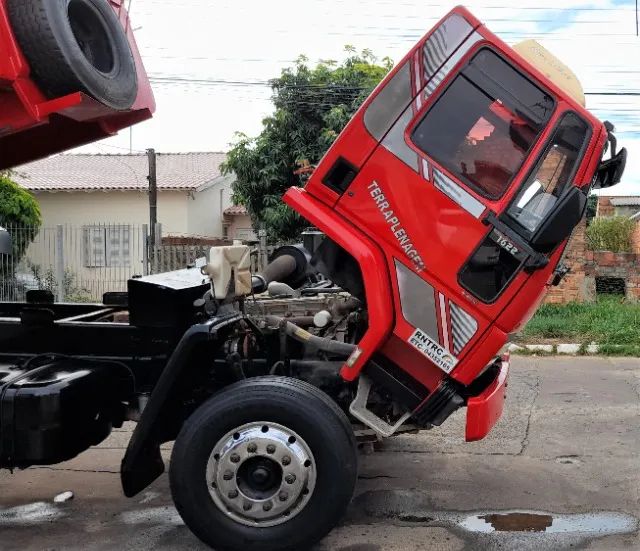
[69, 75]
[457, 185]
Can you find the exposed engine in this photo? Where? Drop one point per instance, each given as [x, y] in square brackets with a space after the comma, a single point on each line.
[304, 323]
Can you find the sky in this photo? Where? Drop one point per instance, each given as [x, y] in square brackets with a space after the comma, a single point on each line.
[193, 49]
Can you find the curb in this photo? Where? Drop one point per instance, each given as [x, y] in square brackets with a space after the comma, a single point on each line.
[570, 349]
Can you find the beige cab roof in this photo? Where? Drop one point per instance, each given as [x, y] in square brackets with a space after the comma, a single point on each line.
[550, 66]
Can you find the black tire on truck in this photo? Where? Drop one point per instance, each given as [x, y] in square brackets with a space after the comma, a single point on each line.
[76, 46]
[267, 464]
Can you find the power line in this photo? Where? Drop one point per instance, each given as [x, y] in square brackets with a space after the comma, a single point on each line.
[316, 87]
[395, 5]
[612, 93]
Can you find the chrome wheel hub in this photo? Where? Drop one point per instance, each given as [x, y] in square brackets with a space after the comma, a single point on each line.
[261, 474]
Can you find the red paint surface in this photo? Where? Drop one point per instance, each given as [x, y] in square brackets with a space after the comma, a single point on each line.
[443, 233]
[484, 411]
[32, 126]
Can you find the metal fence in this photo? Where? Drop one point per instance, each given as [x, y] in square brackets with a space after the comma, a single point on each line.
[81, 263]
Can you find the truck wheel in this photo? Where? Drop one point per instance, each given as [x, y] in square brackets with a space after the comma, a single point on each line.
[268, 464]
[76, 46]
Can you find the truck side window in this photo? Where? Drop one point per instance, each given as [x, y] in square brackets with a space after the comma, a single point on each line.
[552, 175]
[489, 270]
[484, 124]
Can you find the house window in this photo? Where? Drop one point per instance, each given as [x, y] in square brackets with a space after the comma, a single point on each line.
[107, 246]
[243, 234]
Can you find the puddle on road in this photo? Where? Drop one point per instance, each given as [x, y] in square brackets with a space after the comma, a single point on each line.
[527, 521]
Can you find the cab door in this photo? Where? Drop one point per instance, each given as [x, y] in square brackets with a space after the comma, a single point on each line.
[430, 189]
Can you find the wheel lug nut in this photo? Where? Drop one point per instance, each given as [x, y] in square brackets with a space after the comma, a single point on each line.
[247, 506]
[267, 507]
[228, 475]
[286, 460]
[290, 478]
[233, 494]
[252, 448]
[271, 448]
[235, 458]
[283, 496]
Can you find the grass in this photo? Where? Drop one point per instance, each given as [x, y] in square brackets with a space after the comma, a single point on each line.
[611, 321]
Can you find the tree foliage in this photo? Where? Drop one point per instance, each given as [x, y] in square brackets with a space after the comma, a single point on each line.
[19, 213]
[312, 106]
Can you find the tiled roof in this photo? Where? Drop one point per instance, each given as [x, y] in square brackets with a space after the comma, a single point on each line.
[236, 210]
[176, 171]
[625, 201]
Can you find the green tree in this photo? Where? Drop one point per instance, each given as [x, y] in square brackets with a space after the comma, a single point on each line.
[19, 213]
[312, 106]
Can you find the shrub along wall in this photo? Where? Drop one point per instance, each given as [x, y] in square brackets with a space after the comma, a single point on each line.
[613, 234]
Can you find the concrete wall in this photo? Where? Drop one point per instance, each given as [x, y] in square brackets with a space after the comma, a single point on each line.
[205, 209]
[114, 207]
[180, 213]
[241, 228]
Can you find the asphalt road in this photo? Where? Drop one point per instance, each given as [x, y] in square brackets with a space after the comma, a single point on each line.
[560, 471]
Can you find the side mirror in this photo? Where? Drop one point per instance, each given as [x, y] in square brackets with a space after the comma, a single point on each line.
[6, 244]
[610, 171]
[561, 221]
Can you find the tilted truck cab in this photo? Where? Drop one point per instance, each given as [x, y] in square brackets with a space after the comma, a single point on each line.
[446, 203]
[462, 176]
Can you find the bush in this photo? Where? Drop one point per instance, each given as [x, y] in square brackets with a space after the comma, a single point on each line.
[46, 280]
[610, 234]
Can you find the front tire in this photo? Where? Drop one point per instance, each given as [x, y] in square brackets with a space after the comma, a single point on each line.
[268, 464]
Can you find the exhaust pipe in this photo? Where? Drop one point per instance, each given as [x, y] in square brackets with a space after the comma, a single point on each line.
[289, 265]
[326, 345]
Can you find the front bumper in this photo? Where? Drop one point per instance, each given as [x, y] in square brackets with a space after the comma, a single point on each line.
[484, 410]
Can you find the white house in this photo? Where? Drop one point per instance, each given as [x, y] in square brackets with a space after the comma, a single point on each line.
[83, 190]
[97, 206]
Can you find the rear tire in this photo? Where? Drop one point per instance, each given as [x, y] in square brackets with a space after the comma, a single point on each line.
[76, 46]
[243, 461]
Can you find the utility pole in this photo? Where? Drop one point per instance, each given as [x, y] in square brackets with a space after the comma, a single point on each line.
[153, 195]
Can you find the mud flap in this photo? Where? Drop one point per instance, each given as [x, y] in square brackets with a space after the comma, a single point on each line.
[143, 463]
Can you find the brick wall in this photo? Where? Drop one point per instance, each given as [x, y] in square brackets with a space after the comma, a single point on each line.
[635, 240]
[580, 284]
[605, 208]
[573, 287]
[614, 265]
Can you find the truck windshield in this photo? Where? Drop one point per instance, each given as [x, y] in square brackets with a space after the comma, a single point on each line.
[484, 124]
